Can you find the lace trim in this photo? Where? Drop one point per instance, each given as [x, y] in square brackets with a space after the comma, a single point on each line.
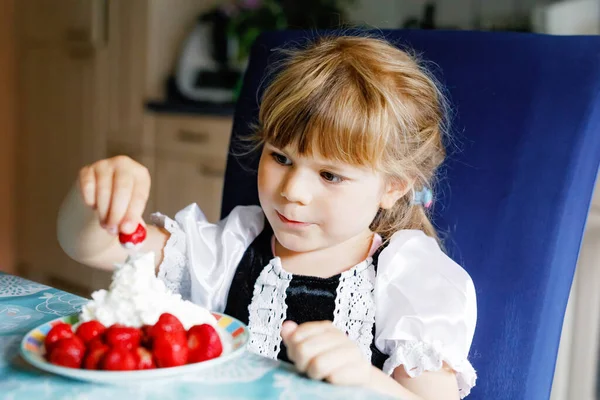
[268, 310]
[173, 270]
[417, 357]
[354, 311]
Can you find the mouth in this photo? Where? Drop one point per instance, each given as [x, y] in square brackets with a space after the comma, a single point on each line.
[291, 222]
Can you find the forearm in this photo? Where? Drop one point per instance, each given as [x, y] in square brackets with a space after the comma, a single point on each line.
[383, 383]
[79, 232]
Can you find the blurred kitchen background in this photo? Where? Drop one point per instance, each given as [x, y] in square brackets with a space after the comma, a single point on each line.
[157, 80]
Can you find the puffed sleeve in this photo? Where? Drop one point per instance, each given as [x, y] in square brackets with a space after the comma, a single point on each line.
[200, 258]
[426, 309]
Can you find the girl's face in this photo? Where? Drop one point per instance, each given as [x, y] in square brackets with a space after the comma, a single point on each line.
[313, 203]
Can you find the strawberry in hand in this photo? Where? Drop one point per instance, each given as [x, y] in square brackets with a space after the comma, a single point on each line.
[131, 240]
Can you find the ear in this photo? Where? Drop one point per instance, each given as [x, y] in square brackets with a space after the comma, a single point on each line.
[393, 191]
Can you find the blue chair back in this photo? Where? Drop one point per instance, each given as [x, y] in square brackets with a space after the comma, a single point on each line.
[516, 185]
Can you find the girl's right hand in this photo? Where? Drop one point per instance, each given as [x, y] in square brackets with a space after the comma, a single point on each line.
[118, 189]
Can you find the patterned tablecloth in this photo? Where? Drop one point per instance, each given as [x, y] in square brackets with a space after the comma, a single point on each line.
[25, 305]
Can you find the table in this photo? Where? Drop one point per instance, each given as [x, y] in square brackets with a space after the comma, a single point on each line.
[25, 305]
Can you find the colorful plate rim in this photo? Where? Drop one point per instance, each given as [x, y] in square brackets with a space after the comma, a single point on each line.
[31, 350]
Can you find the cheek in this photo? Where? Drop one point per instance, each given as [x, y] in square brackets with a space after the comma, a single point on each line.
[262, 179]
[267, 178]
[354, 207]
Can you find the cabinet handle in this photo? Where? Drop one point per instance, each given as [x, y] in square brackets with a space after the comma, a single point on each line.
[192, 137]
[211, 172]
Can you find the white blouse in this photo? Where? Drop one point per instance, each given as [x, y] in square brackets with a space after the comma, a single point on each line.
[425, 304]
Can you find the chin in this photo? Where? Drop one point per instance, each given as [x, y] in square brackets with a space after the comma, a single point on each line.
[295, 243]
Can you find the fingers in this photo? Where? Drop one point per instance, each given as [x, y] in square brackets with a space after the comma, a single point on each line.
[322, 351]
[304, 352]
[287, 329]
[326, 363]
[118, 189]
[137, 204]
[104, 185]
[308, 329]
[297, 339]
[350, 374]
[87, 186]
[122, 188]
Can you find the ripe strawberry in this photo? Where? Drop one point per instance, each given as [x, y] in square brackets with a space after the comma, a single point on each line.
[95, 343]
[204, 343]
[58, 332]
[68, 352]
[90, 330]
[94, 355]
[170, 349]
[119, 359]
[167, 323]
[146, 336]
[120, 336]
[144, 359]
[131, 239]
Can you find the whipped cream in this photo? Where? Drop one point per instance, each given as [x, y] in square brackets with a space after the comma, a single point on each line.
[137, 297]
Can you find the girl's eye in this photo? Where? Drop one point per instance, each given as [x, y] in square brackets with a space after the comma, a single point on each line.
[333, 178]
[281, 159]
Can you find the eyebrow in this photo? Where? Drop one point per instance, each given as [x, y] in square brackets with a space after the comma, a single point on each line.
[334, 168]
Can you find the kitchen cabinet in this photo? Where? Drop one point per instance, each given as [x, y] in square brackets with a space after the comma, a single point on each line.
[191, 154]
[62, 118]
[86, 68]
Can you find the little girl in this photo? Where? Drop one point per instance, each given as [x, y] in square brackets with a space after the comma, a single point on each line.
[339, 270]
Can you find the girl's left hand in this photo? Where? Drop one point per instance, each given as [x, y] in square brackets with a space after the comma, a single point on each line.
[322, 351]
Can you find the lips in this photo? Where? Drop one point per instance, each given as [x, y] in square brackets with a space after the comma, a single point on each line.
[291, 222]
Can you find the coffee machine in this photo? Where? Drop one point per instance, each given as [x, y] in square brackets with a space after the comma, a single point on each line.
[207, 68]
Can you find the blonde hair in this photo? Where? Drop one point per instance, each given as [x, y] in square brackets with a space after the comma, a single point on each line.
[362, 101]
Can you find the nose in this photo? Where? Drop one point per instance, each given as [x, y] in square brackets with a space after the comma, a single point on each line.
[295, 187]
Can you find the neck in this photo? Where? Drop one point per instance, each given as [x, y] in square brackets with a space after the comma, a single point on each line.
[327, 261]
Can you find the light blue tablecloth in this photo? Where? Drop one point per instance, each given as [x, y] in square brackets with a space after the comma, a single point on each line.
[25, 305]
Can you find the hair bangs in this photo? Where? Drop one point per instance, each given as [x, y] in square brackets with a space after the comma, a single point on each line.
[337, 121]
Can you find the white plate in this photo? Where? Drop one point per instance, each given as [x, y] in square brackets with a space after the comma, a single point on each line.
[234, 335]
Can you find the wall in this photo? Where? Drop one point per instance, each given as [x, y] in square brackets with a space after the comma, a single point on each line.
[577, 365]
[7, 134]
[449, 13]
[171, 22]
[573, 17]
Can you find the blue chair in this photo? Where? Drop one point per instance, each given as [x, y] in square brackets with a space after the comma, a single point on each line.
[516, 189]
